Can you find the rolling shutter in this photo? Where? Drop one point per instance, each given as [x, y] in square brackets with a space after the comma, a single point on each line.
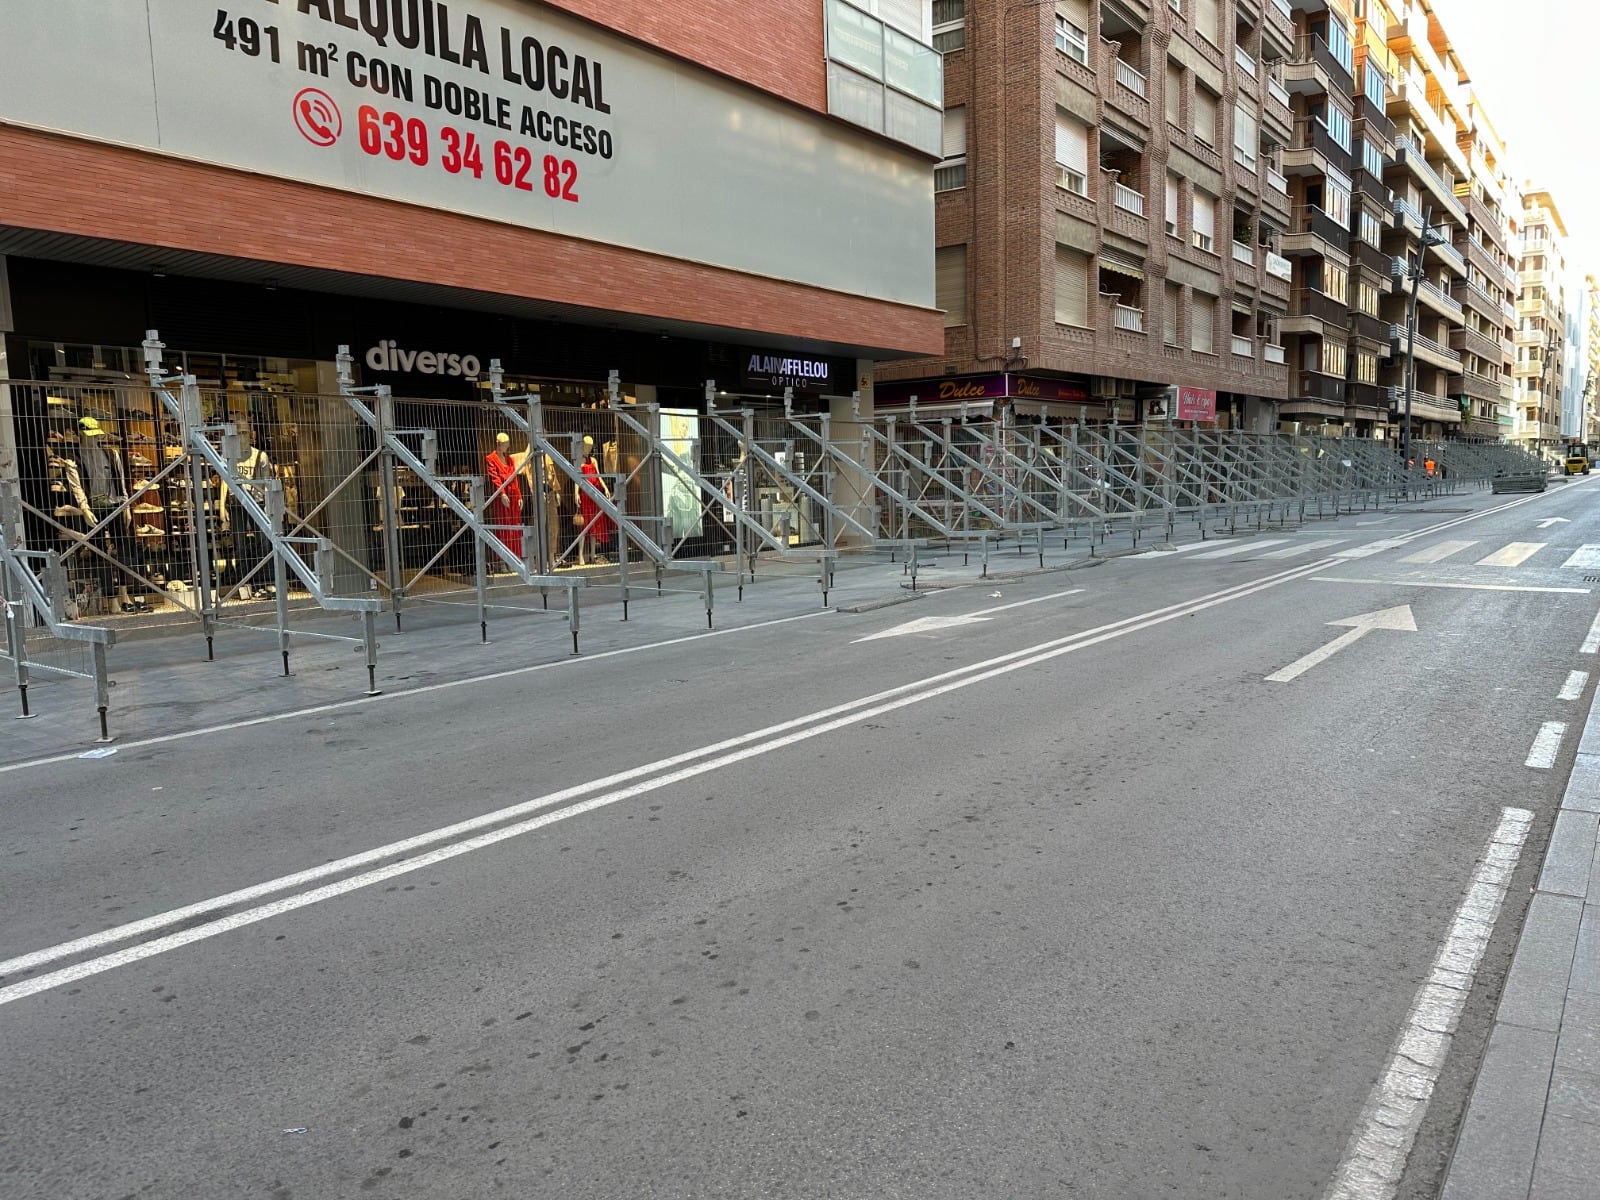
[1072, 287]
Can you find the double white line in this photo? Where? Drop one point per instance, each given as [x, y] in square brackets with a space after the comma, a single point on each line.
[503, 824]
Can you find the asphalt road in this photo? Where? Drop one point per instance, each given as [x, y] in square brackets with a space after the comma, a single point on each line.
[1079, 905]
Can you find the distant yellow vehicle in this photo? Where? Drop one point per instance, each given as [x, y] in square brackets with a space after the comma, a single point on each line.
[1577, 460]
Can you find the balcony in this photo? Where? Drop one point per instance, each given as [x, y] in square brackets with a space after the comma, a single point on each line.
[1243, 60]
[1279, 267]
[1479, 387]
[1127, 199]
[1427, 291]
[1243, 253]
[1325, 309]
[1130, 78]
[1366, 395]
[1315, 232]
[1315, 71]
[1370, 185]
[1409, 156]
[1279, 10]
[1477, 256]
[1314, 151]
[1406, 216]
[1451, 256]
[1314, 385]
[1277, 91]
[1277, 181]
[1487, 218]
[1471, 341]
[1363, 325]
[1427, 350]
[1127, 318]
[1377, 120]
[1375, 261]
[1472, 296]
[1272, 352]
[1243, 347]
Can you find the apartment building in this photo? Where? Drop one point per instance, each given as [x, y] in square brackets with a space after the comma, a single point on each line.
[1540, 374]
[1109, 213]
[1486, 344]
[1340, 208]
[1427, 110]
[1591, 360]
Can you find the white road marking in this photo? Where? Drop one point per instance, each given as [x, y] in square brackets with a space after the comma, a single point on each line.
[1549, 521]
[1546, 744]
[1375, 1157]
[748, 746]
[1466, 587]
[1304, 548]
[1573, 687]
[955, 620]
[1370, 548]
[1398, 617]
[1245, 547]
[1585, 558]
[1438, 553]
[1192, 546]
[1513, 554]
[1591, 643]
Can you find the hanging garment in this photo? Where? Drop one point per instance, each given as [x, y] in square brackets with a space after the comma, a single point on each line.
[595, 523]
[507, 507]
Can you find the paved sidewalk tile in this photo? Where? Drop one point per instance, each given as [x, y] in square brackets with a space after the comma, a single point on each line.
[1571, 853]
[1494, 1154]
[1536, 988]
[1570, 1148]
[1552, 1185]
[1579, 1047]
[1586, 959]
[1583, 789]
[1576, 1095]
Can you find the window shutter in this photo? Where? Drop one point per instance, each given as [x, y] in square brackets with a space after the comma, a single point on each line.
[955, 131]
[1205, 20]
[1175, 94]
[1072, 287]
[1172, 203]
[1205, 116]
[1076, 11]
[1203, 319]
[1205, 215]
[950, 283]
[1169, 320]
[1072, 143]
[1244, 130]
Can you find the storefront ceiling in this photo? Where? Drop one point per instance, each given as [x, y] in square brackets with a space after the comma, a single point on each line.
[126, 256]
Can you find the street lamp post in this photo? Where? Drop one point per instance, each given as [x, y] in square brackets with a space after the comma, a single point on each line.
[1429, 238]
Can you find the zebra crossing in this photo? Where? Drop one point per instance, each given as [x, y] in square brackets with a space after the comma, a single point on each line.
[1451, 552]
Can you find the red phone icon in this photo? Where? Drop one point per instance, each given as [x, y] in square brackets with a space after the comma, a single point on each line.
[317, 117]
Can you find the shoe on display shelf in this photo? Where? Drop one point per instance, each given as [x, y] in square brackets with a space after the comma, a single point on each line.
[146, 508]
[146, 531]
[138, 460]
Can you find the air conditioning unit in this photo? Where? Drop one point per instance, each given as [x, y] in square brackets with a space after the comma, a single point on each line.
[1103, 387]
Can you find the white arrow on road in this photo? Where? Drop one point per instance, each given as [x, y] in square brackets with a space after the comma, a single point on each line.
[922, 625]
[1549, 521]
[1385, 618]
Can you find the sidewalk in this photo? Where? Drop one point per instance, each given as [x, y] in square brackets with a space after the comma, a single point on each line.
[1532, 1129]
[163, 684]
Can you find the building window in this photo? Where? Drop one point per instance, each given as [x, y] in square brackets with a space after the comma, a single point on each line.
[1371, 229]
[1169, 316]
[881, 79]
[1205, 21]
[1203, 220]
[1202, 324]
[1333, 359]
[1174, 96]
[1072, 153]
[1072, 40]
[949, 25]
[1172, 204]
[951, 173]
[1205, 115]
[1367, 298]
[1072, 287]
[950, 283]
[1244, 137]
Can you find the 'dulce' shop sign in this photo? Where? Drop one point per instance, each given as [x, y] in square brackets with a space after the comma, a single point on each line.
[496, 108]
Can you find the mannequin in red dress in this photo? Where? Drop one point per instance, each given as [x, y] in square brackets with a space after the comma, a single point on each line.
[597, 527]
[506, 508]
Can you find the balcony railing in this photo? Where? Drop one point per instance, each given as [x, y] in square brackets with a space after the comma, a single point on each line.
[1130, 78]
[1243, 347]
[1277, 91]
[1277, 181]
[1313, 220]
[1366, 395]
[1407, 211]
[1126, 317]
[1279, 267]
[1284, 10]
[1400, 271]
[1451, 255]
[1272, 352]
[1445, 192]
[1244, 61]
[1313, 135]
[1369, 327]
[1311, 303]
[1128, 199]
[1243, 253]
[1314, 385]
[1314, 50]
[1397, 335]
[1375, 117]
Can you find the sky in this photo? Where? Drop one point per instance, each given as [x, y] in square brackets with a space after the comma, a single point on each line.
[1531, 63]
